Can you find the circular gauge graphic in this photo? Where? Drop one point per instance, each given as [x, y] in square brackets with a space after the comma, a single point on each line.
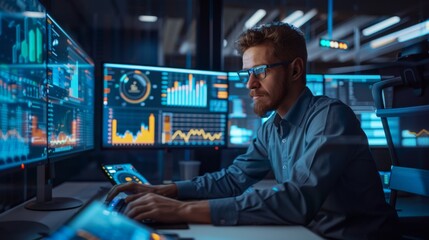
[125, 177]
[134, 87]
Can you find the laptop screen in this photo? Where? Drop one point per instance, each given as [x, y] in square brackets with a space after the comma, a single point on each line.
[95, 222]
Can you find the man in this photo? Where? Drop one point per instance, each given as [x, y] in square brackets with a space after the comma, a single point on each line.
[326, 177]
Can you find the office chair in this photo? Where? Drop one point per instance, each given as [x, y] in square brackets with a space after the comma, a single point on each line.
[402, 103]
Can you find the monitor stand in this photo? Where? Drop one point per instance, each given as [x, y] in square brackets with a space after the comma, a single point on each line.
[23, 230]
[44, 200]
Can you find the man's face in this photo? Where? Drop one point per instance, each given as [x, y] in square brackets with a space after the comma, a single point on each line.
[270, 93]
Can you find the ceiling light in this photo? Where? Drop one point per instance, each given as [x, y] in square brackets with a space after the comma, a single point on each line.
[328, 43]
[293, 16]
[255, 18]
[381, 25]
[32, 14]
[420, 29]
[301, 21]
[148, 18]
[381, 42]
[403, 35]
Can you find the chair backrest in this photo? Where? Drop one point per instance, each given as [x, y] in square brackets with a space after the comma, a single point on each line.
[412, 180]
[402, 103]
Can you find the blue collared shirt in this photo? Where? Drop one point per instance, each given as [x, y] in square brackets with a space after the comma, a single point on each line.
[326, 176]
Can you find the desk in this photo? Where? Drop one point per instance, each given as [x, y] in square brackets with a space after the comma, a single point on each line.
[86, 190]
[210, 232]
[55, 219]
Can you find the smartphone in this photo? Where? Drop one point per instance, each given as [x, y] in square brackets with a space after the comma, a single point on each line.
[123, 173]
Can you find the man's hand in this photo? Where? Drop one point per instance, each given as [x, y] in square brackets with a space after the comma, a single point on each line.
[132, 188]
[152, 206]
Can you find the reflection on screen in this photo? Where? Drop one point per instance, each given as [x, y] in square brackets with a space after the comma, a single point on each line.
[242, 121]
[22, 74]
[355, 91]
[70, 94]
[163, 107]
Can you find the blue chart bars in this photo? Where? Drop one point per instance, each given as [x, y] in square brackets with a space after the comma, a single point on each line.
[170, 107]
[189, 91]
[23, 137]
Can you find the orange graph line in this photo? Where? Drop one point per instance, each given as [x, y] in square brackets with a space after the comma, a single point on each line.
[196, 132]
[62, 139]
[421, 132]
[38, 136]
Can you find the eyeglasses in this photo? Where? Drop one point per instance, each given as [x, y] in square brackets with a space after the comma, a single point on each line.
[260, 72]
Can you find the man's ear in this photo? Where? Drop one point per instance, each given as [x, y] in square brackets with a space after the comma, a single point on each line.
[297, 69]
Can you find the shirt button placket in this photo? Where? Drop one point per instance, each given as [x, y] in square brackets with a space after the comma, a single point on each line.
[284, 162]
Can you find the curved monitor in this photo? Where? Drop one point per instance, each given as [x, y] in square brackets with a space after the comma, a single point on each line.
[23, 123]
[70, 74]
[146, 106]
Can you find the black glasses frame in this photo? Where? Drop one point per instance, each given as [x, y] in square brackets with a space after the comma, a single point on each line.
[260, 71]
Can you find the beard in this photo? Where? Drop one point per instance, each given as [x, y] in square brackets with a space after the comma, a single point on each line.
[264, 108]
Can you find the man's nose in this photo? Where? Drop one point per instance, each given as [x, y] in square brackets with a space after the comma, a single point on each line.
[252, 82]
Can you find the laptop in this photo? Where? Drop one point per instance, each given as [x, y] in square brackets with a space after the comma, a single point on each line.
[94, 221]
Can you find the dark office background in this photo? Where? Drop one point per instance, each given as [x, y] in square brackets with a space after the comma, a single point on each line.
[200, 34]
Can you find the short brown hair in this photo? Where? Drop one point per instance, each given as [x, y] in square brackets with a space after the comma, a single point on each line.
[287, 40]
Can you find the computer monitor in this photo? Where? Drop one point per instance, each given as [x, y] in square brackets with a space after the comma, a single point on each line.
[410, 133]
[355, 91]
[70, 111]
[316, 84]
[23, 123]
[242, 121]
[148, 106]
[70, 74]
[22, 74]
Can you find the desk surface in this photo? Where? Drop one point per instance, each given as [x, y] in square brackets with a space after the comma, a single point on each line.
[210, 232]
[86, 190]
[55, 219]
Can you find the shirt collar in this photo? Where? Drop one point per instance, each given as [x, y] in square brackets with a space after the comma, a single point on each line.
[297, 112]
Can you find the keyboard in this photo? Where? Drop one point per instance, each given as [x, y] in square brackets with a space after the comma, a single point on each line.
[117, 204]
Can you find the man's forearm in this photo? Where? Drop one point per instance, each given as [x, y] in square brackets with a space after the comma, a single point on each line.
[196, 212]
[193, 212]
